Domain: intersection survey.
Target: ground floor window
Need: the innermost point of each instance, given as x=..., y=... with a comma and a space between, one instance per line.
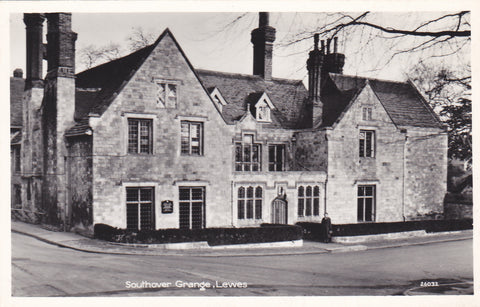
x=366, y=203
x=140, y=208
x=192, y=207
x=249, y=202
x=308, y=201
x=17, y=196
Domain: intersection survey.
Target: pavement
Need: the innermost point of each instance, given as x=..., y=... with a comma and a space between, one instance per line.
x=78, y=242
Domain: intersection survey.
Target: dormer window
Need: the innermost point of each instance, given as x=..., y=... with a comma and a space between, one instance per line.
x=218, y=99
x=263, y=109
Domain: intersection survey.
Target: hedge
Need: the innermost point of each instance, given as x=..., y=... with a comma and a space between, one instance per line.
x=313, y=231
x=214, y=236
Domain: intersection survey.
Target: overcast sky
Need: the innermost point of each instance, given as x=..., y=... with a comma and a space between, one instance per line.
x=212, y=41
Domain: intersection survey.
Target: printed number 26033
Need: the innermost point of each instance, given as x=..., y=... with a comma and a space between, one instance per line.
x=429, y=284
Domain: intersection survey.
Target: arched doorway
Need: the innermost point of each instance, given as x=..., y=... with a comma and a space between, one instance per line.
x=279, y=211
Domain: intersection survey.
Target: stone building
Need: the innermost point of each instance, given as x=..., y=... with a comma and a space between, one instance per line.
x=147, y=141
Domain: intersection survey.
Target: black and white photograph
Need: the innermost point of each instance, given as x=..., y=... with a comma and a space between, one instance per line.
x=296, y=153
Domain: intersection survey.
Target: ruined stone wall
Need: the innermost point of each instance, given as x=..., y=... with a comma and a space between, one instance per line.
x=79, y=184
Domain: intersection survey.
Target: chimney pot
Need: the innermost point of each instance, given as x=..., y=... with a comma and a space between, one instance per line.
x=328, y=45
x=263, y=20
x=315, y=41
x=18, y=73
x=323, y=46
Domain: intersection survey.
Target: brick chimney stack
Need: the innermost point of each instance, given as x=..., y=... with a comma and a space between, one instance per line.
x=61, y=44
x=34, y=27
x=262, y=39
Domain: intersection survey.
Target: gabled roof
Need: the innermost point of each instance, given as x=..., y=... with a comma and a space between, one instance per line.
x=17, y=86
x=403, y=103
x=238, y=90
x=97, y=87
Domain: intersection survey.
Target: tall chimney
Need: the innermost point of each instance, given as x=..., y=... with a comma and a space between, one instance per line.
x=61, y=44
x=334, y=61
x=315, y=78
x=34, y=27
x=262, y=39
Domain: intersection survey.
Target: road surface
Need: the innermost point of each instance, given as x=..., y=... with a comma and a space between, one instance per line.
x=41, y=269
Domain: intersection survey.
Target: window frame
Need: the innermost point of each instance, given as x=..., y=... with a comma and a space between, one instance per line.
x=364, y=198
x=248, y=166
x=363, y=144
x=139, y=120
x=256, y=203
x=190, y=152
x=303, y=199
x=139, y=202
x=367, y=113
x=273, y=165
x=190, y=202
x=166, y=102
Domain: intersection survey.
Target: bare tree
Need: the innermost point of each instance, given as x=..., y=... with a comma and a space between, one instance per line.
x=94, y=55
x=139, y=39
x=449, y=93
x=91, y=55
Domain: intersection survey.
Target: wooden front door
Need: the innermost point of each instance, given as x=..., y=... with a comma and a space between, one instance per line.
x=279, y=211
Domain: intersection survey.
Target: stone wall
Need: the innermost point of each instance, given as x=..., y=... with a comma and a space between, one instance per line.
x=166, y=169
x=311, y=150
x=79, y=185
x=347, y=170
x=426, y=172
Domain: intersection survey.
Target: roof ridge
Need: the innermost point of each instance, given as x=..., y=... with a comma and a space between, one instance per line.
x=256, y=77
x=369, y=78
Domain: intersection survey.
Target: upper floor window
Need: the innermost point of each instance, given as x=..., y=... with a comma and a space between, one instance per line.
x=308, y=201
x=247, y=155
x=167, y=94
x=191, y=138
x=367, y=113
x=367, y=143
x=276, y=157
x=249, y=203
x=140, y=138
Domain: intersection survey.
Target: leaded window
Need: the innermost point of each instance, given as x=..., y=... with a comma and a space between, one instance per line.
x=167, y=94
x=192, y=207
x=276, y=157
x=191, y=138
x=308, y=201
x=367, y=143
x=249, y=202
x=140, y=139
x=247, y=155
x=140, y=208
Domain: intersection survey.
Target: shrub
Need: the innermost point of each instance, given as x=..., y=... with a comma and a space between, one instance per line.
x=214, y=236
x=313, y=231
